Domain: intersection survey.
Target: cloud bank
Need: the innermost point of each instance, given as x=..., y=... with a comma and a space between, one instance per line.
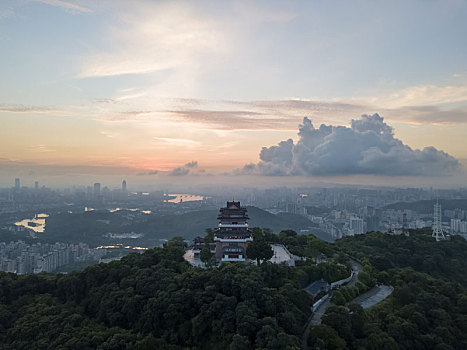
x=368, y=146
x=187, y=169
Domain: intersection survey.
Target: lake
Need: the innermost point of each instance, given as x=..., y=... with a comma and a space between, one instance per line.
x=36, y=224
x=184, y=197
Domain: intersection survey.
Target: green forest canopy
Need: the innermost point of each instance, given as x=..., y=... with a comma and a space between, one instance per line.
x=157, y=300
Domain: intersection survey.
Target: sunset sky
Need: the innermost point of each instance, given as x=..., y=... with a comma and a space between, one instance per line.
x=200, y=87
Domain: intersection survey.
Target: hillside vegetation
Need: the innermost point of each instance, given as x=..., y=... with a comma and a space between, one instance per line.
x=428, y=309
x=153, y=300
x=156, y=300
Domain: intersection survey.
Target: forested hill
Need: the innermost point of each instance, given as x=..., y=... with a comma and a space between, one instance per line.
x=446, y=260
x=156, y=300
x=428, y=308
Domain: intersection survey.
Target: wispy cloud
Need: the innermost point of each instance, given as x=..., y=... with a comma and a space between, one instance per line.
x=12, y=165
x=65, y=4
x=284, y=114
x=151, y=172
x=109, y=134
x=40, y=149
x=134, y=113
x=5, y=13
x=418, y=95
x=252, y=12
x=177, y=141
x=427, y=115
x=15, y=108
x=157, y=37
x=233, y=119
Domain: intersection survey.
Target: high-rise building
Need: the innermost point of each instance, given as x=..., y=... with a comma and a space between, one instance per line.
x=124, y=186
x=97, y=189
x=455, y=225
x=17, y=184
x=232, y=234
x=356, y=225
x=36, y=185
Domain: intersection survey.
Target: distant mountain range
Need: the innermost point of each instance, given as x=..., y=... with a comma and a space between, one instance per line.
x=426, y=206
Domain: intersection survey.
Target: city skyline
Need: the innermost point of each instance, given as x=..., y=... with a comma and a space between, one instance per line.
x=154, y=92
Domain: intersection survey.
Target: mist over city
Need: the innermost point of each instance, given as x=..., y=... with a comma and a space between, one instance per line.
x=233, y=174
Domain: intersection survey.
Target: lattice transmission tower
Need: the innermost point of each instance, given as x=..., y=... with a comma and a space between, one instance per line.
x=437, y=226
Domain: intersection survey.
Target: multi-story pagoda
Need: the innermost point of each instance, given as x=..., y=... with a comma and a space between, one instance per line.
x=232, y=234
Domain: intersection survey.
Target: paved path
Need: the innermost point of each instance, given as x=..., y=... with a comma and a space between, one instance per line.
x=315, y=318
x=356, y=267
x=190, y=257
x=373, y=296
x=318, y=314
x=306, y=332
x=281, y=255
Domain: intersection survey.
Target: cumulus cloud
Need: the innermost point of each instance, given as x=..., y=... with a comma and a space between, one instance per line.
x=186, y=169
x=193, y=164
x=190, y=168
x=368, y=146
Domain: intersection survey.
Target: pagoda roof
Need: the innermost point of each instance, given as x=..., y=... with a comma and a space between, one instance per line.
x=233, y=208
x=233, y=205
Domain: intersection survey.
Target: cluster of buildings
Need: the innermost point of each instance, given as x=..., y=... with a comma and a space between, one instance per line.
x=458, y=226
x=342, y=212
x=19, y=257
x=458, y=220
x=19, y=198
x=339, y=223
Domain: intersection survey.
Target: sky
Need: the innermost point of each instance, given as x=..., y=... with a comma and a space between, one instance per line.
x=154, y=89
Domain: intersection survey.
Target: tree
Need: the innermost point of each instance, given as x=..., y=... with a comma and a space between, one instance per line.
x=209, y=238
x=338, y=298
x=240, y=342
x=205, y=255
x=325, y=337
x=288, y=233
x=259, y=250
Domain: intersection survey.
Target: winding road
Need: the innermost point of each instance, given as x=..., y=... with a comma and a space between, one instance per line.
x=366, y=300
